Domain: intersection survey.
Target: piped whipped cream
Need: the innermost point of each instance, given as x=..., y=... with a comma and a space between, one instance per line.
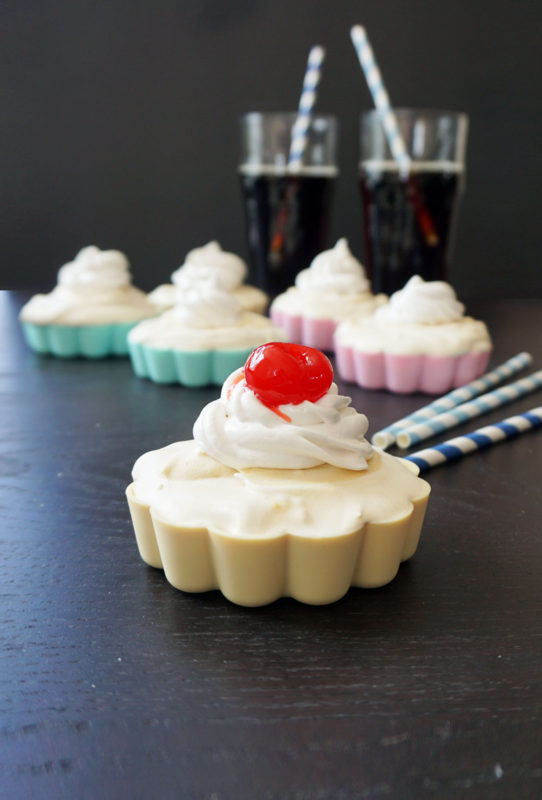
x=206, y=305
x=241, y=432
x=335, y=270
x=210, y=262
x=95, y=268
x=422, y=302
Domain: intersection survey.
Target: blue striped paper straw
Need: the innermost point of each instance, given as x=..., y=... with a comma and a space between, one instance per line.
x=380, y=97
x=387, y=436
x=475, y=408
x=306, y=104
x=476, y=440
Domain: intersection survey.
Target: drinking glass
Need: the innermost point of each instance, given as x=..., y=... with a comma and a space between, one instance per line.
x=287, y=211
x=410, y=215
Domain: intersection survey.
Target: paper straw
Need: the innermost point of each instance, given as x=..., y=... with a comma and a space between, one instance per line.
x=387, y=436
x=475, y=408
x=306, y=104
x=380, y=97
x=476, y=440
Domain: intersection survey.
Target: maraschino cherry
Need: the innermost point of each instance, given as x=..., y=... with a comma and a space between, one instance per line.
x=281, y=372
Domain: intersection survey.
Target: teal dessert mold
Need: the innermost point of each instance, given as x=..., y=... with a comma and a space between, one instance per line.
x=71, y=341
x=192, y=368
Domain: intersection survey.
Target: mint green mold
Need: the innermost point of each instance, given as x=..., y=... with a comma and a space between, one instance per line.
x=88, y=341
x=191, y=368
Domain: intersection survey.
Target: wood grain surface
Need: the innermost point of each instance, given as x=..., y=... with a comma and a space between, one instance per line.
x=116, y=685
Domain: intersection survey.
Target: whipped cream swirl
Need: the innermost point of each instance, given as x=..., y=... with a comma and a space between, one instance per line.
x=334, y=270
x=422, y=302
x=211, y=263
x=206, y=305
x=240, y=431
x=95, y=268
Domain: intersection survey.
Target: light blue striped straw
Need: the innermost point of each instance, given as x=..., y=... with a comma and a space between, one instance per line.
x=306, y=104
x=387, y=436
x=380, y=97
x=476, y=440
x=475, y=408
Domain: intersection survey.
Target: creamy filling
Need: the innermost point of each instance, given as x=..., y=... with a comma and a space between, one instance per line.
x=250, y=297
x=178, y=481
x=77, y=306
x=372, y=335
x=168, y=332
x=327, y=305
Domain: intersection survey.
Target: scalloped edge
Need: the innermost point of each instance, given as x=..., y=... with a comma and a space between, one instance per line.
x=79, y=341
x=256, y=572
x=192, y=368
x=406, y=374
x=316, y=333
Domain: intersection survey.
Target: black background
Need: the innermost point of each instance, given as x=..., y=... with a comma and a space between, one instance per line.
x=120, y=122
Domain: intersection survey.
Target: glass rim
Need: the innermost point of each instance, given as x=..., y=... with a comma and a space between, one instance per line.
x=430, y=113
x=286, y=115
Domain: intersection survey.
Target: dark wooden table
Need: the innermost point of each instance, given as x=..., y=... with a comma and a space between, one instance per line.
x=115, y=685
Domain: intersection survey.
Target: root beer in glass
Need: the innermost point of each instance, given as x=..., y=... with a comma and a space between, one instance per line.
x=409, y=216
x=287, y=212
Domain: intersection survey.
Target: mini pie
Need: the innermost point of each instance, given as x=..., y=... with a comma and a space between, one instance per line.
x=419, y=342
x=279, y=493
x=90, y=311
x=331, y=289
x=211, y=263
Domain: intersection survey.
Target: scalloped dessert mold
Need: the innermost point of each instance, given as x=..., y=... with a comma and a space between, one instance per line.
x=71, y=341
x=316, y=333
x=192, y=368
x=255, y=571
x=406, y=374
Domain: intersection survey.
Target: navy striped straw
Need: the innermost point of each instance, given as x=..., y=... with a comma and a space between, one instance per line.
x=380, y=97
x=480, y=405
x=306, y=104
x=478, y=439
x=387, y=436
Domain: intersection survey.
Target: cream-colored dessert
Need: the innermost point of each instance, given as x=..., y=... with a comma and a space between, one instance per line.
x=206, y=263
x=279, y=493
x=331, y=289
x=420, y=341
x=94, y=289
x=206, y=318
x=90, y=311
x=423, y=317
x=201, y=339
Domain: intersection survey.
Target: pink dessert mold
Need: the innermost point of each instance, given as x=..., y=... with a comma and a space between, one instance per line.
x=316, y=333
x=406, y=374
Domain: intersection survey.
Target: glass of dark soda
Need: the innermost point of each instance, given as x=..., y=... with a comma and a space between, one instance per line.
x=410, y=214
x=287, y=211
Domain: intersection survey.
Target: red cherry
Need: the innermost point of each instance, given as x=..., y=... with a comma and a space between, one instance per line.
x=281, y=372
